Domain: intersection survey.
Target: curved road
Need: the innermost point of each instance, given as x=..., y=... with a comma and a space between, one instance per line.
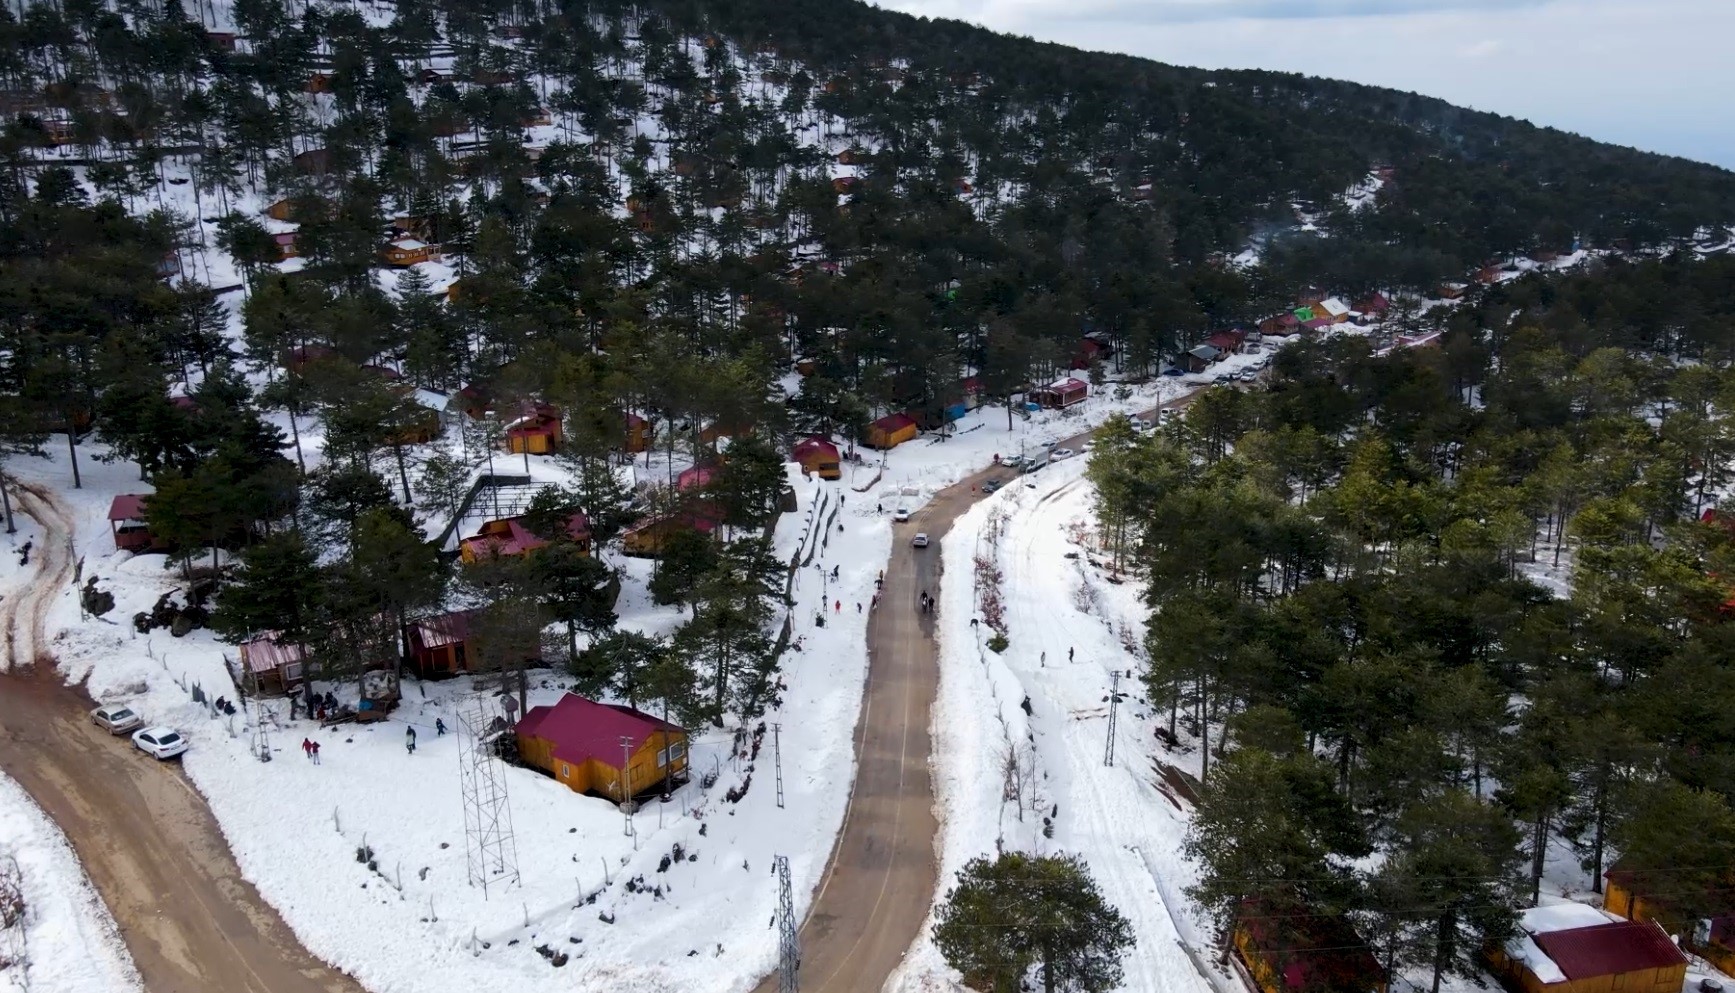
x=145, y=836
x=881, y=880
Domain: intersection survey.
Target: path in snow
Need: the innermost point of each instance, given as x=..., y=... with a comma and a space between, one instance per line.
x=191, y=922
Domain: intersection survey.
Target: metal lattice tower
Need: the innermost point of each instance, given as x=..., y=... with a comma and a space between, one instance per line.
x=777, y=759
x=489, y=847
x=788, y=942
x=1114, y=699
x=261, y=733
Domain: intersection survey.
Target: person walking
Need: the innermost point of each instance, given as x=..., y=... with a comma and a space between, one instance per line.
x=439, y=728
x=858, y=606
x=1069, y=654
x=837, y=606
x=316, y=753
x=307, y=748
x=410, y=739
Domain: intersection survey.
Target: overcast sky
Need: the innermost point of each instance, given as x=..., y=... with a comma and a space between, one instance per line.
x=1655, y=74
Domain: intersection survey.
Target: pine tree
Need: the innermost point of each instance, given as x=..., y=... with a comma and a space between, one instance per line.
x=1018, y=912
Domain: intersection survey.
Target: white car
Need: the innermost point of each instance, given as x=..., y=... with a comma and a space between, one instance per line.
x=1060, y=453
x=1167, y=414
x=1249, y=375
x=116, y=719
x=920, y=540
x=1087, y=446
x=160, y=742
x=901, y=514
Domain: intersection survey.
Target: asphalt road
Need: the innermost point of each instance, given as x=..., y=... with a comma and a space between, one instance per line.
x=144, y=835
x=881, y=880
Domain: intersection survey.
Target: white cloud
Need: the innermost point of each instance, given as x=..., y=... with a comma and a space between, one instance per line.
x=1649, y=73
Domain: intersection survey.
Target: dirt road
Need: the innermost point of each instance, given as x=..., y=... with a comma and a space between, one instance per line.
x=881, y=880
x=145, y=836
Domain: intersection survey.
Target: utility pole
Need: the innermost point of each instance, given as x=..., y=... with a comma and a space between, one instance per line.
x=1114, y=698
x=777, y=759
x=626, y=784
x=788, y=941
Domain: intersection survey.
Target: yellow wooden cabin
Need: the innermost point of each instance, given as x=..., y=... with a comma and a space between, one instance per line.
x=1713, y=939
x=1574, y=948
x=1287, y=951
x=604, y=749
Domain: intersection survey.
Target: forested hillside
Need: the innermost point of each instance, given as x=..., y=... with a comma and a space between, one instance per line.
x=1442, y=622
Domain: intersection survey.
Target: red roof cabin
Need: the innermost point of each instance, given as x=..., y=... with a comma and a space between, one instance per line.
x=649, y=537
x=890, y=431
x=126, y=521
x=818, y=455
x=697, y=478
x=512, y=537
x=1713, y=938
x=604, y=749
x=438, y=644
x=1282, y=325
x=1574, y=948
x=1373, y=305
x=286, y=247
x=536, y=432
x=1230, y=342
x=270, y=667
x=1089, y=351
x=1061, y=393
x=1298, y=952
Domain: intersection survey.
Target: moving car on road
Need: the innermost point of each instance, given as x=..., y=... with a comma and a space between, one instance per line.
x=990, y=486
x=1060, y=453
x=901, y=514
x=160, y=742
x=116, y=719
x=920, y=540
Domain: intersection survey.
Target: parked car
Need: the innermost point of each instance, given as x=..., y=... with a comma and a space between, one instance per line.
x=920, y=540
x=1060, y=453
x=1087, y=446
x=1221, y=378
x=901, y=514
x=1174, y=371
x=990, y=486
x=1166, y=415
x=160, y=742
x=116, y=719
x=1249, y=375
x=1012, y=461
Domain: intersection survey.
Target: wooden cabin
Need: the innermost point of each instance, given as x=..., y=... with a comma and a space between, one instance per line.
x=511, y=536
x=1712, y=939
x=1574, y=948
x=319, y=82
x=1288, y=951
x=439, y=644
x=298, y=358
x=286, y=245
x=221, y=40
x=1061, y=393
x=1088, y=352
x=640, y=433
x=818, y=455
x=649, y=537
x=890, y=431
x=536, y=117
x=604, y=749
x=406, y=252
x=270, y=667
x=313, y=162
x=284, y=210
x=128, y=525
x=537, y=431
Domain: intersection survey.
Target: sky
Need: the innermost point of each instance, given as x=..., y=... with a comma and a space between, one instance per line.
x=1652, y=74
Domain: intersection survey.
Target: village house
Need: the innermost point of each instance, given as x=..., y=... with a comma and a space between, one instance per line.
x=1061, y=393
x=970, y=389
x=1712, y=939
x=890, y=431
x=270, y=667
x=1230, y=342
x=1198, y=358
x=285, y=209
x=1333, y=308
x=604, y=749
x=319, y=82
x=286, y=245
x=221, y=40
x=1451, y=291
x=818, y=455
x=438, y=644
x=537, y=431
x=126, y=522
x=1088, y=352
x=1574, y=948
x=536, y=117
x=299, y=357
x=1281, y=325
x=512, y=537
x=313, y=162
x=406, y=252
x=649, y=537
x=1304, y=953
x=1374, y=305
x=640, y=433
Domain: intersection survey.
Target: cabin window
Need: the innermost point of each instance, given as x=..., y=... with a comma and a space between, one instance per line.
x=677, y=750
x=565, y=771
x=662, y=757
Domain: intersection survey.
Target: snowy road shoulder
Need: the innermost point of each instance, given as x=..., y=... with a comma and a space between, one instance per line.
x=66, y=942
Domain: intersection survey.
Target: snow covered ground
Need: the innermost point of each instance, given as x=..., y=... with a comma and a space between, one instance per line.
x=67, y=942
x=1035, y=708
